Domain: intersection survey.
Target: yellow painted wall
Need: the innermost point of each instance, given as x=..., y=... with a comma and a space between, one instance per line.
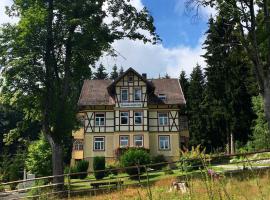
x=78, y=134
x=154, y=145
x=131, y=138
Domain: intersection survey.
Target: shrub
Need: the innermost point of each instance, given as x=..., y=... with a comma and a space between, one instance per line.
x=167, y=170
x=112, y=169
x=82, y=166
x=133, y=157
x=39, y=158
x=99, y=164
x=158, y=159
x=192, y=160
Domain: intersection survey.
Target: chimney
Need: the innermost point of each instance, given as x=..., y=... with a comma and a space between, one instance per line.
x=144, y=75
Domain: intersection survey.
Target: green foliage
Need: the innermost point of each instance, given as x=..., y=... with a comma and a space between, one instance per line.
x=82, y=166
x=260, y=138
x=99, y=164
x=167, y=170
x=184, y=83
x=193, y=160
x=15, y=170
x=45, y=57
x=39, y=158
x=101, y=73
x=158, y=159
x=114, y=74
x=112, y=169
x=134, y=157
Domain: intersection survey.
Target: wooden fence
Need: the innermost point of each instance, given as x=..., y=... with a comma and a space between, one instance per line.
x=69, y=184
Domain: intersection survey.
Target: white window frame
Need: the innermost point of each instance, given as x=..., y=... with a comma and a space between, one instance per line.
x=98, y=119
x=163, y=119
x=138, y=117
x=165, y=143
x=78, y=145
x=100, y=143
x=123, y=138
x=138, y=140
x=134, y=94
x=124, y=89
x=124, y=117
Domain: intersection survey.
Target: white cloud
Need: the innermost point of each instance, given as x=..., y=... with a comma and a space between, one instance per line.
x=203, y=12
x=155, y=60
x=3, y=17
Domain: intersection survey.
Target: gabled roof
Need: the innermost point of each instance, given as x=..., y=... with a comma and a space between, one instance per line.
x=99, y=92
x=171, y=88
x=94, y=92
x=149, y=84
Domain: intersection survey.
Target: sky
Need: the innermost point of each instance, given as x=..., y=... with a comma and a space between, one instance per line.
x=181, y=46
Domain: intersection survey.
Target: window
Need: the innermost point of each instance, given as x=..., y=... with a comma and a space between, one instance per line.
x=124, y=94
x=124, y=140
x=138, y=116
x=163, y=119
x=124, y=118
x=100, y=119
x=162, y=97
x=137, y=94
x=78, y=145
x=138, y=140
x=164, y=142
x=130, y=79
x=99, y=143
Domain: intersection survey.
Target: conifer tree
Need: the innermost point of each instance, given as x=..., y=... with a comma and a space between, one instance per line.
x=101, y=73
x=194, y=110
x=114, y=74
x=184, y=83
x=227, y=99
x=121, y=71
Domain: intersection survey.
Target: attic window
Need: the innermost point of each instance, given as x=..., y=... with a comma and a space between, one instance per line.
x=130, y=79
x=162, y=97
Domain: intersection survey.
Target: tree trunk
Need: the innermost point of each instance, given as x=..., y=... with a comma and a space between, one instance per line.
x=228, y=145
x=232, y=143
x=57, y=162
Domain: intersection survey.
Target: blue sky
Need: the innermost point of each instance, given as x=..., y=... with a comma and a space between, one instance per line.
x=181, y=46
x=174, y=24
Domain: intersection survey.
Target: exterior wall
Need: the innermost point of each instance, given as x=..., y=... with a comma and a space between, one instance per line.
x=172, y=153
x=125, y=84
x=90, y=126
x=173, y=119
x=131, y=139
x=131, y=126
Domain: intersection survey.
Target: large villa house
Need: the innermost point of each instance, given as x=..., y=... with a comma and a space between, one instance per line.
x=131, y=111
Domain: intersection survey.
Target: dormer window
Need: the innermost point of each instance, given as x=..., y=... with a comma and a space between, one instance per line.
x=124, y=94
x=162, y=97
x=130, y=79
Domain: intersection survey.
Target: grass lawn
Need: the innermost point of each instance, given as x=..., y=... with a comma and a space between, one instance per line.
x=239, y=187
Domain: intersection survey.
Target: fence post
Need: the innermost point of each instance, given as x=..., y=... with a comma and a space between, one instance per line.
x=148, y=185
x=139, y=173
x=69, y=187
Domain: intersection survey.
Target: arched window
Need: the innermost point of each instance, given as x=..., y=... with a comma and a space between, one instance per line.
x=78, y=145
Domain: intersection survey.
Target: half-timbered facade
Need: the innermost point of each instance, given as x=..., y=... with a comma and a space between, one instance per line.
x=130, y=111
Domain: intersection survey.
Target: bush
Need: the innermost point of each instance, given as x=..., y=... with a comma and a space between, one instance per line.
x=134, y=157
x=39, y=158
x=158, y=159
x=193, y=160
x=99, y=164
x=167, y=170
x=82, y=166
x=112, y=169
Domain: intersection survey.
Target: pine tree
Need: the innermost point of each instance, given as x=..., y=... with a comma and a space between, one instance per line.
x=184, y=83
x=194, y=110
x=121, y=71
x=101, y=73
x=227, y=100
x=114, y=74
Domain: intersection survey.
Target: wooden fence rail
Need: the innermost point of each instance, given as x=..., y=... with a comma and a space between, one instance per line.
x=69, y=183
